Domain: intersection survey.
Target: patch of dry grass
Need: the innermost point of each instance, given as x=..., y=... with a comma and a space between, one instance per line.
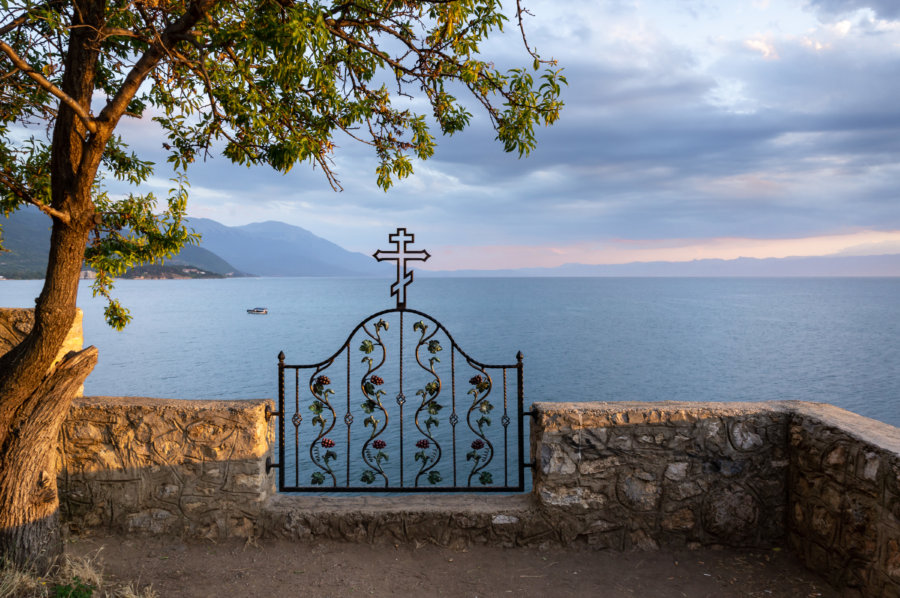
x=76, y=577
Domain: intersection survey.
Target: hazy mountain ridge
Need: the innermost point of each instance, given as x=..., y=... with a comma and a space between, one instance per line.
x=259, y=249
x=26, y=238
x=278, y=249
x=832, y=265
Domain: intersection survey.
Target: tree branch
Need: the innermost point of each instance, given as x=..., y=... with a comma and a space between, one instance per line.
x=42, y=81
x=10, y=183
x=15, y=23
x=148, y=61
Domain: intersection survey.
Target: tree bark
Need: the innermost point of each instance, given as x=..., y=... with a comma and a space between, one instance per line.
x=29, y=518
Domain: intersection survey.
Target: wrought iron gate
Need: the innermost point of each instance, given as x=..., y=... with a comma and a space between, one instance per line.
x=400, y=407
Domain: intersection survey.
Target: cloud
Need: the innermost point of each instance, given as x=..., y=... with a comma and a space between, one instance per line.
x=763, y=46
x=885, y=9
x=668, y=133
x=624, y=251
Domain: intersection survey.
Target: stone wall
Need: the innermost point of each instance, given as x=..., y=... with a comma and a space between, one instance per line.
x=194, y=468
x=844, y=501
x=16, y=322
x=647, y=474
x=609, y=475
x=822, y=479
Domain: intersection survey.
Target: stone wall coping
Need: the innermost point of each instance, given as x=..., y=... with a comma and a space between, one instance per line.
x=871, y=431
x=189, y=404
x=456, y=503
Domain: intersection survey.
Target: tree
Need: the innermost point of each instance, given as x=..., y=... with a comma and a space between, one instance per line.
x=264, y=82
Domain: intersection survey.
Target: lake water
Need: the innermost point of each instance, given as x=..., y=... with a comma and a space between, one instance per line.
x=584, y=339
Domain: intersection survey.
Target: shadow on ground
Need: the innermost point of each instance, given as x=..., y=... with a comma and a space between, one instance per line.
x=268, y=568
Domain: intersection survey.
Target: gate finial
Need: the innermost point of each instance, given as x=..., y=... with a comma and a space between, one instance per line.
x=401, y=255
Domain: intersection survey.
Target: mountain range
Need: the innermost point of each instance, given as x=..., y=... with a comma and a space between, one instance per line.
x=279, y=249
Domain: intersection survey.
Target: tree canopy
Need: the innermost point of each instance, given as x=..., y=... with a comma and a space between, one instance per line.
x=263, y=82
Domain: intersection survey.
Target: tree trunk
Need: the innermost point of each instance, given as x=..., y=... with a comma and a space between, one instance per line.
x=34, y=397
x=29, y=518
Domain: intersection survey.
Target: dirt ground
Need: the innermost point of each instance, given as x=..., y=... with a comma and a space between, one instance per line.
x=267, y=568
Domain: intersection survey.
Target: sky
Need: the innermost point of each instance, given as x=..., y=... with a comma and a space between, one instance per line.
x=692, y=129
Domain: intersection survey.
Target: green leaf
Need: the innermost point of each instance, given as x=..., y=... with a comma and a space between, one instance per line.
x=368, y=476
x=434, y=477
x=269, y=83
x=317, y=478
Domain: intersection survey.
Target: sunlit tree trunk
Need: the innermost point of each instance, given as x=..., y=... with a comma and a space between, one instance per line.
x=34, y=397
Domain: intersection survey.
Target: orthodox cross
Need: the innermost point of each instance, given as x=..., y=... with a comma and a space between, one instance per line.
x=401, y=255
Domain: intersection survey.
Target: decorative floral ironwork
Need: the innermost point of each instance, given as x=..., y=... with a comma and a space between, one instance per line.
x=428, y=444
x=429, y=405
x=373, y=407
x=481, y=408
x=323, y=417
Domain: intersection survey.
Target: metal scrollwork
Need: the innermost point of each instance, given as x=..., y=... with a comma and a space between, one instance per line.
x=429, y=452
x=373, y=449
x=320, y=451
x=482, y=450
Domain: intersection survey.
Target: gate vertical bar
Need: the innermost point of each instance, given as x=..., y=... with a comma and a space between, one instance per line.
x=281, y=419
x=453, y=407
x=401, y=398
x=348, y=419
x=520, y=399
x=505, y=422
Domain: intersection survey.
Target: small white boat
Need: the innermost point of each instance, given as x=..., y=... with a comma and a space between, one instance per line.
x=258, y=310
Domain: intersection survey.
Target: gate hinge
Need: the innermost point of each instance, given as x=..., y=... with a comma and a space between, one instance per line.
x=531, y=414
x=270, y=465
x=529, y=465
x=270, y=414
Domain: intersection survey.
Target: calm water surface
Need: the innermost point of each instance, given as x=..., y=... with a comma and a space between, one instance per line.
x=584, y=339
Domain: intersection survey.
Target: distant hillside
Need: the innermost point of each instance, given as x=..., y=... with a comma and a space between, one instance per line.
x=204, y=259
x=279, y=249
x=26, y=234
x=167, y=271
x=869, y=265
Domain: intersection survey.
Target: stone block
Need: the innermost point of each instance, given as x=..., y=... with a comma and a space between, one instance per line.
x=868, y=466
x=684, y=490
x=602, y=467
x=892, y=559
x=680, y=520
x=835, y=461
x=555, y=460
x=641, y=540
x=639, y=490
x=745, y=437
x=823, y=522
x=677, y=471
x=730, y=511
